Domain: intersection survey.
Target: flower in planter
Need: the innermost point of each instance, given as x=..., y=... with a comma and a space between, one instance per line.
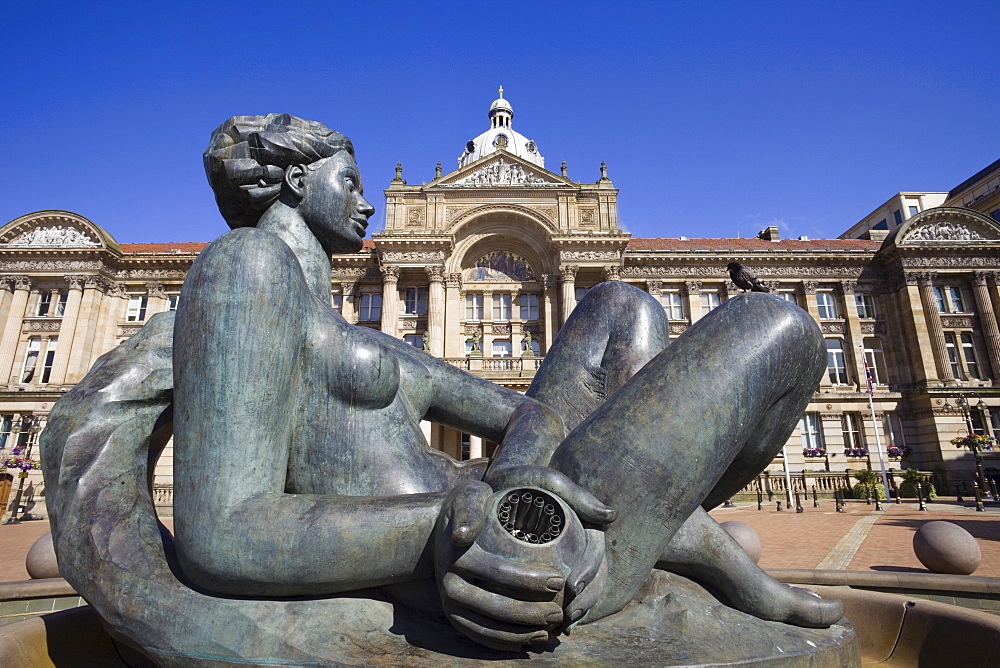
x=21, y=463
x=894, y=451
x=813, y=452
x=856, y=452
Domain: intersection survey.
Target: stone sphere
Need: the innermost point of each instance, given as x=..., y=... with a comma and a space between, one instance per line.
x=41, y=559
x=745, y=536
x=944, y=547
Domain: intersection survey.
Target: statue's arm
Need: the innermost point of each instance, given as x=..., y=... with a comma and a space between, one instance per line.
x=237, y=341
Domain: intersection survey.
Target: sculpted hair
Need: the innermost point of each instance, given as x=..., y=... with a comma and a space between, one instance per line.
x=247, y=156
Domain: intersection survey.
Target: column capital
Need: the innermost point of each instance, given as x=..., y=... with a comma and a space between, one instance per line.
x=75, y=282
x=809, y=287
x=922, y=278
x=453, y=280
x=435, y=273
x=21, y=282
x=612, y=273
x=349, y=288
x=7, y=283
x=568, y=272
x=390, y=273
x=155, y=289
x=693, y=287
x=653, y=286
x=979, y=278
x=548, y=281
x=848, y=287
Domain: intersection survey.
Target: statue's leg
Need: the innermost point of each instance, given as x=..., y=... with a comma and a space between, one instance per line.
x=689, y=425
x=612, y=333
x=703, y=551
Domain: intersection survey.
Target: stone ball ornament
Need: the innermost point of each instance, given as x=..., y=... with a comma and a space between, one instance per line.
x=944, y=547
x=41, y=560
x=744, y=534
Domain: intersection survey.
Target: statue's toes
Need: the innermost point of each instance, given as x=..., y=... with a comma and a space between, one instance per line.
x=808, y=609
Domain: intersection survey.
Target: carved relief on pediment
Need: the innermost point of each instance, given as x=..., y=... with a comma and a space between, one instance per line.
x=502, y=173
x=61, y=236
x=944, y=231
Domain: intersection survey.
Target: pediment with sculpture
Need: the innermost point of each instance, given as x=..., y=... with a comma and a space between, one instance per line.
x=505, y=171
x=946, y=225
x=54, y=229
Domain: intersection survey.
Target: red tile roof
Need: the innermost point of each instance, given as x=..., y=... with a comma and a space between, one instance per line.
x=744, y=245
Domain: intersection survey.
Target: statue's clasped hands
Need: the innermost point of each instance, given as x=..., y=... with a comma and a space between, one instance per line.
x=504, y=584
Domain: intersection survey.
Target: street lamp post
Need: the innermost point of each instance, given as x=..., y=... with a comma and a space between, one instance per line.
x=963, y=404
x=32, y=426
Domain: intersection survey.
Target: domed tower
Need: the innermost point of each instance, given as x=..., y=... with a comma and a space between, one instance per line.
x=501, y=137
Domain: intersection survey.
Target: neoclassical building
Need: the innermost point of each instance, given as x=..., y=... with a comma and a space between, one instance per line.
x=483, y=264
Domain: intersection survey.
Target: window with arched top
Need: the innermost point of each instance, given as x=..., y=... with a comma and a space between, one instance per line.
x=501, y=266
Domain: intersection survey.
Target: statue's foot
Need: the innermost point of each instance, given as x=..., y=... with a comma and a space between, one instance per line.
x=703, y=551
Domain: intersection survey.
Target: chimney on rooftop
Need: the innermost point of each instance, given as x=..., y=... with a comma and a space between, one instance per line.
x=769, y=233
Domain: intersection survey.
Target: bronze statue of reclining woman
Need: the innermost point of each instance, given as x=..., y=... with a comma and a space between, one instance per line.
x=301, y=472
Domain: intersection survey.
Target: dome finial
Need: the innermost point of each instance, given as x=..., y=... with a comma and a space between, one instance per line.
x=501, y=91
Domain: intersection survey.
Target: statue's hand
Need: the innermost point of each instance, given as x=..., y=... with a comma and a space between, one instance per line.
x=587, y=506
x=505, y=593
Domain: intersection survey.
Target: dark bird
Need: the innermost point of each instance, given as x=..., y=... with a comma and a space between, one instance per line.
x=744, y=278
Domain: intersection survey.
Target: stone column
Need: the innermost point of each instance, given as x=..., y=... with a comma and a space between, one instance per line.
x=487, y=323
x=613, y=273
x=549, y=307
x=390, y=299
x=853, y=338
x=435, y=310
x=988, y=320
x=567, y=275
x=156, y=301
x=6, y=296
x=454, y=337
x=925, y=280
x=12, y=328
x=348, y=304
x=475, y=447
x=809, y=298
x=86, y=324
x=693, y=289
x=67, y=331
x=112, y=312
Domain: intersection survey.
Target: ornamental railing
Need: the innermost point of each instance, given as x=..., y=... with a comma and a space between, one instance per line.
x=498, y=366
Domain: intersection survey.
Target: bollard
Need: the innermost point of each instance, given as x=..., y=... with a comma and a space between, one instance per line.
x=780, y=509
x=878, y=503
x=920, y=497
x=760, y=500
x=798, y=504
x=979, y=500
x=868, y=495
x=815, y=498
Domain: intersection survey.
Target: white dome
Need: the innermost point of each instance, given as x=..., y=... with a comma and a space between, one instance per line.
x=501, y=136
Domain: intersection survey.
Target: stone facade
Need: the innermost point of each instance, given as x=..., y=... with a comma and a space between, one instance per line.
x=482, y=265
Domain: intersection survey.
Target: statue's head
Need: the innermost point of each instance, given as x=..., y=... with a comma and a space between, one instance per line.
x=247, y=159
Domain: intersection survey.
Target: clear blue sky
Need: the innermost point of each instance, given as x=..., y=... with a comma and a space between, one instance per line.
x=715, y=119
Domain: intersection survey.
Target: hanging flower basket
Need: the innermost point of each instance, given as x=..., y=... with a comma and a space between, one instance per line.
x=856, y=452
x=23, y=464
x=973, y=441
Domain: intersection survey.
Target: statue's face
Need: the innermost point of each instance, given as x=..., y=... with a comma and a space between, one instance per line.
x=333, y=204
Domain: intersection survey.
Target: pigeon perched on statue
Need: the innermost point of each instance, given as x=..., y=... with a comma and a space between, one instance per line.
x=744, y=278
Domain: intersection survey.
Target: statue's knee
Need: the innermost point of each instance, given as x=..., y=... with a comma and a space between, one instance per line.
x=619, y=296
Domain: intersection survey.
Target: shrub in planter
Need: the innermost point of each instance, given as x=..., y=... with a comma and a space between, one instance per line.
x=908, y=488
x=861, y=491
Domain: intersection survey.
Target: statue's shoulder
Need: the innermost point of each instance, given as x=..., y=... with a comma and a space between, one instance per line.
x=246, y=245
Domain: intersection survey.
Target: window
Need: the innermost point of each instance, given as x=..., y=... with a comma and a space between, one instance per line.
x=529, y=307
x=913, y=211
x=50, y=358
x=415, y=340
x=971, y=359
x=44, y=303
x=473, y=307
x=949, y=299
x=416, y=301
x=61, y=304
x=709, y=301
x=788, y=296
x=866, y=305
x=31, y=359
x=835, y=366
x=875, y=359
x=812, y=437
x=6, y=421
x=994, y=423
x=881, y=225
x=898, y=217
x=949, y=344
x=852, y=432
x=172, y=301
x=580, y=292
x=996, y=215
x=501, y=307
x=371, y=307
x=673, y=305
x=501, y=348
x=136, y=309
x=826, y=305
